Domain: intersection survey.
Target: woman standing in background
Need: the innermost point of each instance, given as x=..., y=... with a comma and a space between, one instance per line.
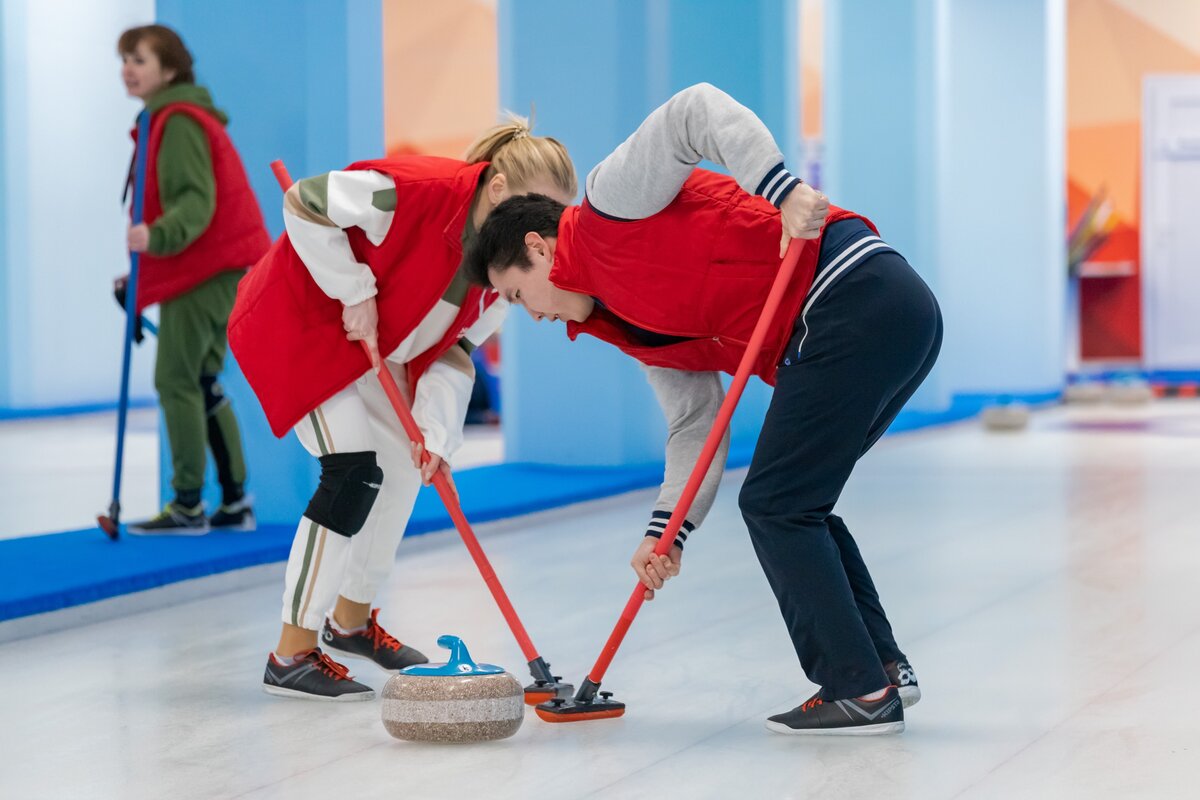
x=202, y=229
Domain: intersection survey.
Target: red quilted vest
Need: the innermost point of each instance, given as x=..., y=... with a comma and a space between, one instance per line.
x=287, y=334
x=701, y=268
x=234, y=239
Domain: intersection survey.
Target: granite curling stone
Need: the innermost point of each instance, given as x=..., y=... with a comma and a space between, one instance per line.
x=1008, y=416
x=1130, y=392
x=1084, y=392
x=459, y=701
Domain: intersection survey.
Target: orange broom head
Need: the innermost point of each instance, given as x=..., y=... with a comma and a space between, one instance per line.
x=535, y=696
x=549, y=715
x=559, y=710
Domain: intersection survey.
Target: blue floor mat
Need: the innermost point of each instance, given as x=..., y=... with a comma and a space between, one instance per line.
x=59, y=570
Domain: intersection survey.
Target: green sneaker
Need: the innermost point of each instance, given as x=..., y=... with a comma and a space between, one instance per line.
x=175, y=520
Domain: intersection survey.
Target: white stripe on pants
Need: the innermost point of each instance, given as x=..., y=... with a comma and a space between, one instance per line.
x=324, y=564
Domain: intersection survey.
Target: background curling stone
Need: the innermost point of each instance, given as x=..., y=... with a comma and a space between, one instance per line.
x=1130, y=392
x=1084, y=392
x=459, y=701
x=1006, y=417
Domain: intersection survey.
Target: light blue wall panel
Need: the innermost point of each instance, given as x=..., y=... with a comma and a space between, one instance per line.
x=595, y=70
x=64, y=150
x=1003, y=207
x=945, y=126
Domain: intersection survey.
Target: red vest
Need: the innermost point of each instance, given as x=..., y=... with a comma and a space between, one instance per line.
x=287, y=334
x=234, y=239
x=701, y=268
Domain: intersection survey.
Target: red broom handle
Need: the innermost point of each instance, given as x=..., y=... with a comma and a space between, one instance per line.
x=440, y=483
x=281, y=174
x=450, y=499
x=720, y=424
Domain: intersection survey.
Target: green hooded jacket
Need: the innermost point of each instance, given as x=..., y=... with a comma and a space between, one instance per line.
x=186, y=186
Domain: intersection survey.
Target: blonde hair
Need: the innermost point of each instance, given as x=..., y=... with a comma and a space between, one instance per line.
x=514, y=152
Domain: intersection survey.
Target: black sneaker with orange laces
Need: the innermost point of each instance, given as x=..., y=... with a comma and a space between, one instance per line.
x=843, y=717
x=374, y=644
x=314, y=676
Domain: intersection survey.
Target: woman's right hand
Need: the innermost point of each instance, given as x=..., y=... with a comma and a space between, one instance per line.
x=361, y=323
x=803, y=213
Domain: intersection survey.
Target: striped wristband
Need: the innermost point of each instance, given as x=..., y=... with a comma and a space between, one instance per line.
x=777, y=184
x=658, y=524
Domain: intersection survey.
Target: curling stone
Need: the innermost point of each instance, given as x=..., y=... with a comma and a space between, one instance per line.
x=459, y=701
x=1084, y=392
x=1130, y=392
x=1006, y=417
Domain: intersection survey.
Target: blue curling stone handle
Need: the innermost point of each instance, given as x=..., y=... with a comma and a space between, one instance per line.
x=460, y=662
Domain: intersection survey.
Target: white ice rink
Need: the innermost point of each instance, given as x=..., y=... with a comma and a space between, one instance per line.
x=1043, y=584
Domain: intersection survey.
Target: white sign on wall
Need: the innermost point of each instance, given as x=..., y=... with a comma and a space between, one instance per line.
x=1170, y=238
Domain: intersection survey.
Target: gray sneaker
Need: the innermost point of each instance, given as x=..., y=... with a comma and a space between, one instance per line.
x=312, y=675
x=855, y=717
x=175, y=520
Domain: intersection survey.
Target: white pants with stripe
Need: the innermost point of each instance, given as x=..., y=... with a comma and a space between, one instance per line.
x=324, y=564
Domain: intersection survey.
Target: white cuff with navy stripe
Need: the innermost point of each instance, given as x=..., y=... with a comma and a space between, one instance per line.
x=658, y=525
x=777, y=184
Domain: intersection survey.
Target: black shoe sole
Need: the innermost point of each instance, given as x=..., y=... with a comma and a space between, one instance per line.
x=134, y=530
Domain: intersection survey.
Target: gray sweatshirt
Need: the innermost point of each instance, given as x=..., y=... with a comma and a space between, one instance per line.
x=640, y=178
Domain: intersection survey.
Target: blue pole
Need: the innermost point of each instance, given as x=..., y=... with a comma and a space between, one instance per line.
x=111, y=525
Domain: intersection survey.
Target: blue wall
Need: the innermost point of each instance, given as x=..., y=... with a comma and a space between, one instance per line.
x=1003, y=207
x=64, y=149
x=6, y=316
x=594, y=71
x=301, y=81
x=945, y=126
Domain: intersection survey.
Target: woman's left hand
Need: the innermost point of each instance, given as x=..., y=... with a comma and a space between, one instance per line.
x=430, y=468
x=138, y=238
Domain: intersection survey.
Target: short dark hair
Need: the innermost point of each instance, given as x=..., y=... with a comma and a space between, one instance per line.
x=500, y=243
x=171, y=51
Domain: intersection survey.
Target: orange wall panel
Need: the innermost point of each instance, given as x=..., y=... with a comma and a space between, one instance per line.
x=440, y=83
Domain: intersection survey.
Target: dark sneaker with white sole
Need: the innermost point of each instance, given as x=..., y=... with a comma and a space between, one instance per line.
x=237, y=516
x=312, y=675
x=904, y=678
x=175, y=520
x=842, y=717
x=372, y=643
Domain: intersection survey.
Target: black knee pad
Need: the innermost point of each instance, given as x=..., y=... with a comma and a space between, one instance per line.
x=349, y=485
x=214, y=395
